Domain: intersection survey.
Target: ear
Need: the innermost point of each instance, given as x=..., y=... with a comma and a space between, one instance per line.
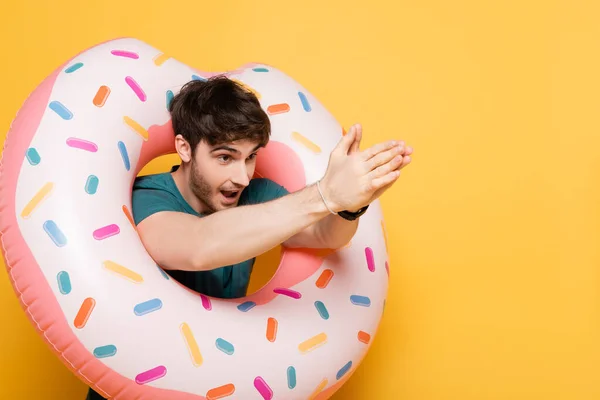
x=183, y=148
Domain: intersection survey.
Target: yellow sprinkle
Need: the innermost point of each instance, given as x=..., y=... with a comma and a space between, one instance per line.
x=248, y=88
x=121, y=270
x=191, y=344
x=160, y=59
x=136, y=127
x=306, y=142
x=319, y=389
x=37, y=199
x=384, y=236
x=312, y=343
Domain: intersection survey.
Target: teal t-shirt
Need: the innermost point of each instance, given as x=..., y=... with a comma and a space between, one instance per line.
x=158, y=192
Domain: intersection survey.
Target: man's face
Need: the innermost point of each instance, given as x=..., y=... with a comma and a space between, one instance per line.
x=220, y=173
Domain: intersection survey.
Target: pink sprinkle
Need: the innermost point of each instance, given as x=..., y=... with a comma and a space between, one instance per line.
x=387, y=268
x=151, y=375
x=265, y=391
x=136, y=88
x=206, y=302
x=370, y=259
x=106, y=231
x=82, y=144
x=288, y=292
x=124, y=53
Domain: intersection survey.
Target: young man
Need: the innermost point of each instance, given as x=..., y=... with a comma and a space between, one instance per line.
x=207, y=219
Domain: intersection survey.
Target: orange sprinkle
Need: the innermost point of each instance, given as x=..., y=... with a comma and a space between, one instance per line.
x=364, y=337
x=271, y=329
x=343, y=131
x=220, y=392
x=101, y=96
x=318, y=389
x=278, y=108
x=160, y=59
x=84, y=312
x=129, y=217
x=324, y=279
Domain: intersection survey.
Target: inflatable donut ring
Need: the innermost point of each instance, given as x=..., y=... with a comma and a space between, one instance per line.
x=100, y=302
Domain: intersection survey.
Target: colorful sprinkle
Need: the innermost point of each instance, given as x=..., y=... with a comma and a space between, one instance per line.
x=91, y=185
x=246, y=306
x=318, y=389
x=124, y=155
x=305, y=103
x=324, y=279
x=37, y=199
x=260, y=69
x=105, y=351
x=224, y=346
x=129, y=216
x=82, y=144
x=343, y=370
x=206, y=302
x=61, y=110
x=73, y=68
x=312, y=343
x=364, y=337
x=125, y=53
x=33, y=156
x=384, y=235
x=64, y=282
x=136, y=127
x=123, y=271
x=170, y=97
x=163, y=273
x=198, y=78
x=322, y=309
x=271, y=329
x=278, y=108
x=160, y=59
x=191, y=344
x=370, y=259
x=147, y=307
x=83, y=315
x=106, y=232
x=101, y=96
x=151, y=375
x=387, y=269
x=312, y=146
x=291, y=377
x=360, y=300
x=137, y=89
x=220, y=392
x=55, y=233
x=265, y=391
x=288, y=292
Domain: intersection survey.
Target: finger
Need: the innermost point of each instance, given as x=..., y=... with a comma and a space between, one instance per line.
x=378, y=148
x=384, y=180
x=386, y=168
x=356, y=145
x=383, y=158
x=405, y=161
x=346, y=140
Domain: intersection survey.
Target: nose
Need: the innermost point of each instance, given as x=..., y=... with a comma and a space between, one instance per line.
x=240, y=176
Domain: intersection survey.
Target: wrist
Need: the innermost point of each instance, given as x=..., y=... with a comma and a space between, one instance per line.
x=332, y=206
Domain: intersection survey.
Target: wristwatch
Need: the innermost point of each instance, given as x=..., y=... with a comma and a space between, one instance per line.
x=351, y=216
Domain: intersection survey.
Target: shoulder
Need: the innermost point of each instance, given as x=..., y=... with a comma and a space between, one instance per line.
x=263, y=189
x=152, y=194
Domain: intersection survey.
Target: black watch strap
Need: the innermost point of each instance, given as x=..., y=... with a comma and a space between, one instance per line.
x=351, y=216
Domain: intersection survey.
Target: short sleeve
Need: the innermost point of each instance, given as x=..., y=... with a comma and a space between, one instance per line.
x=146, y=202
x=264, y=190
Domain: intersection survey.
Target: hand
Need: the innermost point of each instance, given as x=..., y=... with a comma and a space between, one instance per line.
x=353, y=177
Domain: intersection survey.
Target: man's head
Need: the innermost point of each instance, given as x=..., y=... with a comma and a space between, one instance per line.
x=219, y=126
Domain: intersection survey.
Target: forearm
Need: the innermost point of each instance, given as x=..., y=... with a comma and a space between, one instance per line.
x=240, y=233
x=335, y=231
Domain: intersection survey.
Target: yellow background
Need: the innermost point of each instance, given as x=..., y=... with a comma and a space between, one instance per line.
x=493, y=229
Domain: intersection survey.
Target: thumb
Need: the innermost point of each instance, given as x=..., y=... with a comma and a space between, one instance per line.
x=347, y=140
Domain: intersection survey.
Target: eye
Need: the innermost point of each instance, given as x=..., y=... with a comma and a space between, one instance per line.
x=252, y=156
x=224, y=158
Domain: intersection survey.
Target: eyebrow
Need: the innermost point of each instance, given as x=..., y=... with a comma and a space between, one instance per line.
x=232, y=150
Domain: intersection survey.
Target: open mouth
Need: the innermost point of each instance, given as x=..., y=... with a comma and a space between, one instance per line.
x=230, y=194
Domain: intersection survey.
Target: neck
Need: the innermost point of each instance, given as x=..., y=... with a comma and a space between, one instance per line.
x=182, y=180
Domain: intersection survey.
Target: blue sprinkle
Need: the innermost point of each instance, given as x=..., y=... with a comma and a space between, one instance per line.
x=73, y=68
x=33, y=156
x=64, y=282
x=55, y=233
x=198, y=78
x=225, y=346
x=124, y=155
x=360, y=300
x=246, y=306
x=343, y=370
x=147, y=307
x=291, y=377
x=105, y=351
x=164, y=274
x=305, y=103
x=169, y=98
x=322, y=309
x=61, y=110
x=260, y=69
x=91, y=185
